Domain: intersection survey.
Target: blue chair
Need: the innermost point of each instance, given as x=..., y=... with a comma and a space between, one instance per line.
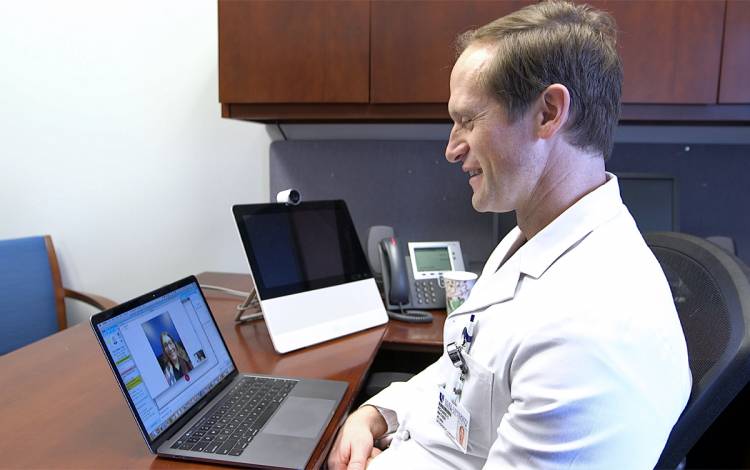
x=32, y=304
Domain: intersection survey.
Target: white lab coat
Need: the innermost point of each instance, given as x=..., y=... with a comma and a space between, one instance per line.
x=579, y=360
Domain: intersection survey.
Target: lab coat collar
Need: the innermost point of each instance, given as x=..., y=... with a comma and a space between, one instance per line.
x=570, y=227
x=500, y=277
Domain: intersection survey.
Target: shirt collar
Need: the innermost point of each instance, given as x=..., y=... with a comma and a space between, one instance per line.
x=570, y=227
x=507, y=262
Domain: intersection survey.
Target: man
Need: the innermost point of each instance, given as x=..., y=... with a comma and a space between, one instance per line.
x=568, y=352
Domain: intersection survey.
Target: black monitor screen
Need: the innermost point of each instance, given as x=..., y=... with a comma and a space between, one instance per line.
x=293, y=249
x=651, y=199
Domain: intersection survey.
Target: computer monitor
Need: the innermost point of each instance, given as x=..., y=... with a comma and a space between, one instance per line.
x=311, y=274
x=651, y=199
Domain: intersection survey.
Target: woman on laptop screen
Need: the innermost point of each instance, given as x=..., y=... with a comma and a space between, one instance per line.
x=176, y=363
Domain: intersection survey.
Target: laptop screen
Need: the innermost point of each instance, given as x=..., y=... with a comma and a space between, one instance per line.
x=293, y=249
x=168, y=354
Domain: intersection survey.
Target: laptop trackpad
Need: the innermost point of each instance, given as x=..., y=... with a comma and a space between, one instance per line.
x=301, y=417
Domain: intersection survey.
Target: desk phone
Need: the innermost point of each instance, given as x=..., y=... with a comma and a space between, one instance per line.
x=413, y=281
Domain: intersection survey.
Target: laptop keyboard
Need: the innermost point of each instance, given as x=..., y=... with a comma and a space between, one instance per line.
x=232, y=423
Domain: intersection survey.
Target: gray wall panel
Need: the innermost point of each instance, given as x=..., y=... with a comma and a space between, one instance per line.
x=405, y=184
x=713, y=185
x=410, y=185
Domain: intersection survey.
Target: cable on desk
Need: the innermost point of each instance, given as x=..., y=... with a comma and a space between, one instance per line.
x=226, y=290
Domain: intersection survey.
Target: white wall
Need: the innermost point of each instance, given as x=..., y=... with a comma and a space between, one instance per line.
x=111, y=141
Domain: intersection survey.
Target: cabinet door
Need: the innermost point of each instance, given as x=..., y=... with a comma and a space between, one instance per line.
x=413, y=45
x=735, y=64
x=288, y=51
x=670, y=49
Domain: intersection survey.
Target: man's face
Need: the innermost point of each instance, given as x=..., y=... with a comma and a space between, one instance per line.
x=499, y=157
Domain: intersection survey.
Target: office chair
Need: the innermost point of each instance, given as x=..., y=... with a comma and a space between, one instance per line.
x=711, y=291
x=725, y=242
x=32, y=304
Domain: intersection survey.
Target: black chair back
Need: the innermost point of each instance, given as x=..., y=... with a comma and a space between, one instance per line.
x=711, y=291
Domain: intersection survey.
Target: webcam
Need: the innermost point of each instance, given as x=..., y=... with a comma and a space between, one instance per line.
x=290, y=197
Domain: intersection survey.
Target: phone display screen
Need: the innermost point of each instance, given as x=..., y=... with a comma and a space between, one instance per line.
x=432, y=259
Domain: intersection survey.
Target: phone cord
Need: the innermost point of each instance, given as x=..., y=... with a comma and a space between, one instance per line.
x=411, y=316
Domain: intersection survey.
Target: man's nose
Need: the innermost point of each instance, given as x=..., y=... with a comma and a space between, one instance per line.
x=456, y=150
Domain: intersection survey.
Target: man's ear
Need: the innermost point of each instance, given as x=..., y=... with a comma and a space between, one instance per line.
x=554, y=104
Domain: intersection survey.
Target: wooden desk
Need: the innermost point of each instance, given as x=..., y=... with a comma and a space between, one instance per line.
x=399, y=335
x=422, y=337
x=61, y=407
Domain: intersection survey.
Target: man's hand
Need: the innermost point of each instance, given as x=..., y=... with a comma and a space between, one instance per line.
x=353, y=447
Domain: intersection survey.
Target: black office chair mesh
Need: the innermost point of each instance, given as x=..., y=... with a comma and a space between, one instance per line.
x=712, y=295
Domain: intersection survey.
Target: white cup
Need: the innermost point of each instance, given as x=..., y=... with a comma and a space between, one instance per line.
x=458, y=285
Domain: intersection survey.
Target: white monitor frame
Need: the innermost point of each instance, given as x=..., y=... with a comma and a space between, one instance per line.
x=315, y=314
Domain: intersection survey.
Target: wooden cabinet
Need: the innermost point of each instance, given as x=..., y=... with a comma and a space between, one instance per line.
x=390, y=60
x=287, y=51
x=413, y=45
x=670, y=49
x=735, y=64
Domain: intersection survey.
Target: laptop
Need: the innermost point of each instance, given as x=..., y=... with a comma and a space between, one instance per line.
x=311, y=275
x=186, y=394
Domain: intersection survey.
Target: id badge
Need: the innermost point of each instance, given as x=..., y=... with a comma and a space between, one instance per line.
x=454, y=418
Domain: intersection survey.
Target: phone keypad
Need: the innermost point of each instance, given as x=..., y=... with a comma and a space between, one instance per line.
x=429, y=292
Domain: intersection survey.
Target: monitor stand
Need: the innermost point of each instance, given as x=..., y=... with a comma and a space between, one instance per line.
x=250, y=302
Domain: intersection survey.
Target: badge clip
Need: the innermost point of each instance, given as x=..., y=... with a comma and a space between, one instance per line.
x=456, y=357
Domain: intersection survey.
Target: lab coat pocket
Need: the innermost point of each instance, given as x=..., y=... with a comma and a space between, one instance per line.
x=477, y=399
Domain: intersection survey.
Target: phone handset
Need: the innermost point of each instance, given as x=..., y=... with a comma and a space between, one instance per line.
x=395, y=280
x=396, y=283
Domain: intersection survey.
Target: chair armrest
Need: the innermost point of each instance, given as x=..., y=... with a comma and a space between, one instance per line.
x=102, y=303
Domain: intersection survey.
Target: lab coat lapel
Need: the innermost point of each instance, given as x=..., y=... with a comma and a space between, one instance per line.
x=500, y=276
x=570, y=228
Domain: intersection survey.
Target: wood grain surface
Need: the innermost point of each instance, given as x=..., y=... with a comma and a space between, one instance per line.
x=61, y=406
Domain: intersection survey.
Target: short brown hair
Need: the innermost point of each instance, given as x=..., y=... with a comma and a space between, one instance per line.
x=556, y=42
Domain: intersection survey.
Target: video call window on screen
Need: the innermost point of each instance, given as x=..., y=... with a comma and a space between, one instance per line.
x=178, y=351
x=168, y=355
x=169, y=349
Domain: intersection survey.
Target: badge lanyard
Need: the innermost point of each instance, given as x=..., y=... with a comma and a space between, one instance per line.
x=454, y=418
x=455, y=353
